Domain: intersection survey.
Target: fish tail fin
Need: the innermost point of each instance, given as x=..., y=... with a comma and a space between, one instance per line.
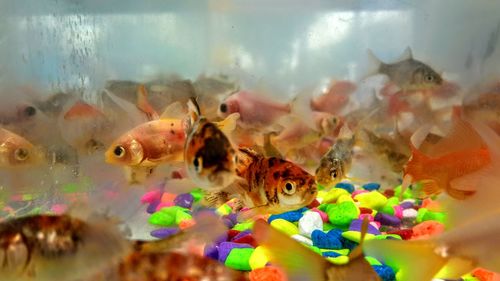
x=300, y=107
x=194, y=109
x=174, y=110
x=298, y=262
x=143, y=103
x=374, y=64
x=415, y=260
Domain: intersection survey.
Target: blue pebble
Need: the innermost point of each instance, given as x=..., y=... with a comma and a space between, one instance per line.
x=152, y=206
x=348, y=244
x=345, y=185
x=164, y=232
x=292, y=216
x=406, y=205
x=371, y=186
x=324, y=241
x=337, y=233
x=385, y=272
x=330, y=254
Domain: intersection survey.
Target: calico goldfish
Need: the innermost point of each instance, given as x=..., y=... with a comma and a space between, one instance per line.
x=208, y=153
x=336, y=163
x=49, y=247
x=408, y=73
x=254, y=109
x=16, y=151
x=461, y=152
x=169, y=260
x=447, y=256
x=272, y=185
x=301, y=263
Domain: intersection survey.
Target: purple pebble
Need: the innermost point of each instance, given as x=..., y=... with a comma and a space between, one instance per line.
x=356, y=226
x=152, y=206
x=226, y=247
x=233, y=217
x=220, y=239
x=406, y=205
x=385, y=219
x=184, y=200
x=229, y=224
x=211, y=251
x=241, y=234
x=164, y=232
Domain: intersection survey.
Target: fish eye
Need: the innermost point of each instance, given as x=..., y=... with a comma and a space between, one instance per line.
x=119, y=151
x=289, y=188
x=429, y=78
x=334, y=173
x=21, y=154
x=223, y=108
x=197, y=163
x=30, y=111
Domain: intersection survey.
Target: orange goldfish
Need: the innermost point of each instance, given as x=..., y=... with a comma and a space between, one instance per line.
x=335, y=98
x=272, y=185
x=461, y=152
x=16, y=151
x=300, y=263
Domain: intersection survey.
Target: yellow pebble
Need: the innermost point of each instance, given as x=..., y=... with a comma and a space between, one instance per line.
x=334, y=194
x=373, y=200
x=224, y=210
x=340, y=260
x=344, y=198
x=259, y=258
x=285, y=226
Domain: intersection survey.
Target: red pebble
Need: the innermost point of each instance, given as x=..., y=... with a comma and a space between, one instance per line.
x=363, y=210
x=231, y=234
x=427, y=229
x=389, y=193
x=313, y=204
x=431, y=205
x=485, y=275
x=247, y=239
x=268, y=273
x=405, y=234
x=176, y=175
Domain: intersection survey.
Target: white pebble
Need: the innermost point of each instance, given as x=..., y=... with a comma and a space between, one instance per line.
x=309, y=222
x=302, y=239
x=410, y=213
x=410, y=200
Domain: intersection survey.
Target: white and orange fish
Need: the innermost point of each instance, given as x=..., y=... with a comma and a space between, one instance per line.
x=16, y=151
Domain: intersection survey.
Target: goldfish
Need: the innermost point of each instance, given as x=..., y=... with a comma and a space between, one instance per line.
x=16, y=151
x=208, y=154
x=334, y=99
x=447, y=256
x=408, y=73
x=461, y=152
x=395, y=151
x=56, y=247
x=336, y=163
x=272, y=185
x=171, y=259
x=254, y=109
x=301, y=263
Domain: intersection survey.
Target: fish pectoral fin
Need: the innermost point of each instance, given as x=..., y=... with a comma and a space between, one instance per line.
x=299, y=262
x=425, y=188
x=415, y=260
x=249, y=214
x=174, y=111
x=228, y=125
x=143, y=103
x=456, y=267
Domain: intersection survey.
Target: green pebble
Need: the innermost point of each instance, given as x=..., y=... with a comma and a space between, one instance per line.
x=181, y=216
x=340, y=260
x=328, y=226
x=355, y=236
x=406, y=195
x=224, y=209
x=420, y=214
x=239, y=258
x=434, y=216
x=197, y=194
x=243, y=226
x=372, y=261
x=393, y=201
x=384, y=236
x=70, y=188
x=469, y=277
x=162, y=219
x=316, y=249
x=343, y=213
x=343, y=252
x=35, y=211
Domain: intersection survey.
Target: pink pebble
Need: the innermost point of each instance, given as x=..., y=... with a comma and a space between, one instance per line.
x=359, y=191
x=168, y=197
x=58, y=208
x=323, y=215
x=398, y=211
x=375, y=224
x=164, y=204
x=151, y=196
x=362, y=216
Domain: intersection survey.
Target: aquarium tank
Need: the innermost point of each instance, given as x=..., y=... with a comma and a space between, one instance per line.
x=249, y=140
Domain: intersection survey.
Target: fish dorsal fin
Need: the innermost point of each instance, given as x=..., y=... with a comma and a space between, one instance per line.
x=269, y=149
x=374, y=63
x=416, y=260
x=358, y=251
x=298, y=262
x=406, y=55
x=419, y=136
x=228, y=125
x=194, y=110
x=175, y=111
x=144, y=105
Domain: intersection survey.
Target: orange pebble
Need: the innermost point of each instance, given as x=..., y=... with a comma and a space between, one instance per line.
x=186, y=224
x=168, y=197
x=485, y=275
x=431, y=205
x=268, y=273
x=427, y=229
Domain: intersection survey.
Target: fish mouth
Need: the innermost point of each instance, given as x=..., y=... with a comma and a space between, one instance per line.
x=221, y=179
